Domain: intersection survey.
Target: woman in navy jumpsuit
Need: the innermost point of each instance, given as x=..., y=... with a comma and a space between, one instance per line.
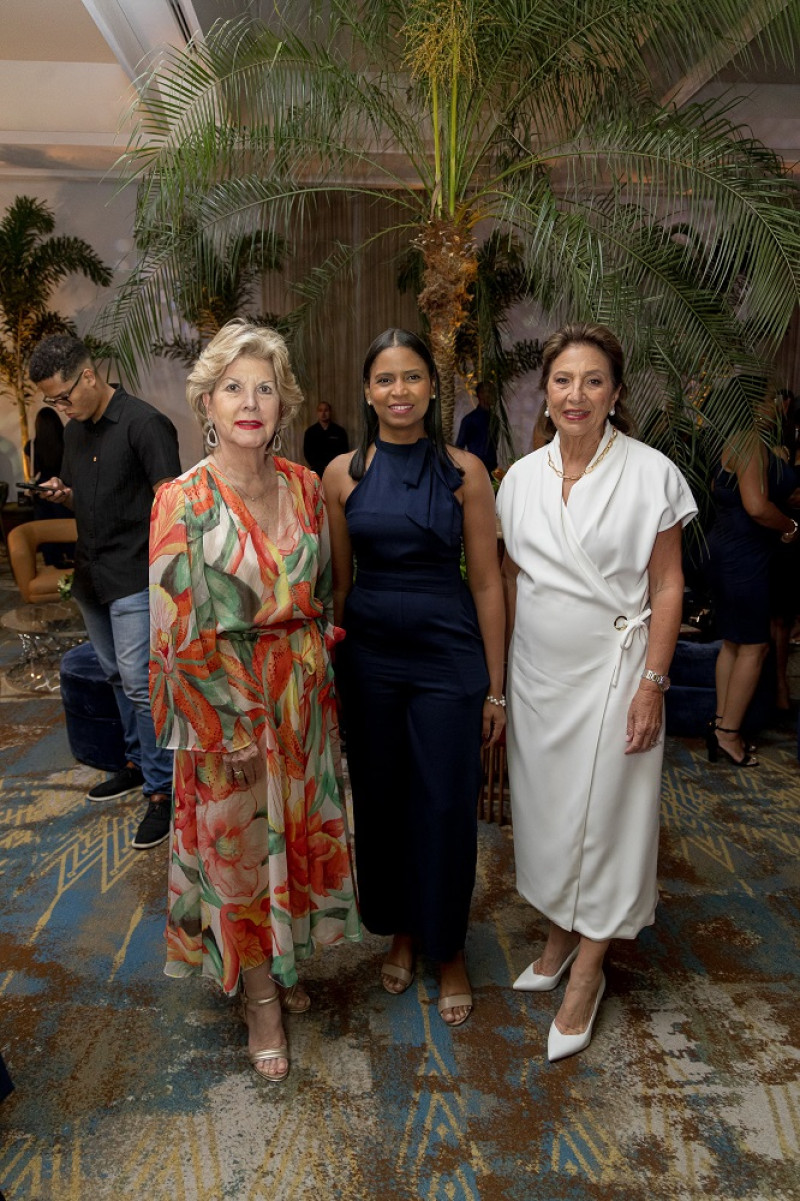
x=421, y=667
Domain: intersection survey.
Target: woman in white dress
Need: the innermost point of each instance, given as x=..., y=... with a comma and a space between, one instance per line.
x=592, y=526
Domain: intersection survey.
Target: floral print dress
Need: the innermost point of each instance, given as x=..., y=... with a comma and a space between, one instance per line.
x=241, y=629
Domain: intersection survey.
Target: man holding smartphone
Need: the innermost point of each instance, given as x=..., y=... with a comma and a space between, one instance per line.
x=117, y=451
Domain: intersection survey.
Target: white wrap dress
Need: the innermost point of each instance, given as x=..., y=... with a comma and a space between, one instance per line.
x=585, y=815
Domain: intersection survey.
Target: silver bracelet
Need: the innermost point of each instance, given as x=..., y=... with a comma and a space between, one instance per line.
x=497, y=700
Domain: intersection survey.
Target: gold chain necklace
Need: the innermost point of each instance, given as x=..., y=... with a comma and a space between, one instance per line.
x=591, y=466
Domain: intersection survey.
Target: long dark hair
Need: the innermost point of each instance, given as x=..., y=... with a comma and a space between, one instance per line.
x=601, y=337
x=369, y=418
x=48, y=443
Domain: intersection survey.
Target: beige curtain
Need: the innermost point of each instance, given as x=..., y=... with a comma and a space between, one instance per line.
x=360, y=305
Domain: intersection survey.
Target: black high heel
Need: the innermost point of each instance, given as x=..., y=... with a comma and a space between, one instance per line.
x=715, y=750
x=750, y=747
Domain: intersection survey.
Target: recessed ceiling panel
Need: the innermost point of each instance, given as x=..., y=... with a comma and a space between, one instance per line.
x=44, y=31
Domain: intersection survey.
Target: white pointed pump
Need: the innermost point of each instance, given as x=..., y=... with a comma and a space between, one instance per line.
x=559, y=1045
x=531, y=981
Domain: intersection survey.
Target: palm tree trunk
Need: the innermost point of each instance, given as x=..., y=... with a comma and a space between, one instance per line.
x=451, y=267
x=22, y=409
x=24, y=434
x=443, y=348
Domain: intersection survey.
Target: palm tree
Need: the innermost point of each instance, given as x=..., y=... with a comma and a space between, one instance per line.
x=32, y=264
x=537, y=118
x=216, y=285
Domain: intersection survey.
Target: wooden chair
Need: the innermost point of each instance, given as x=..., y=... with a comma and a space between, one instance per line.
x=37, y=582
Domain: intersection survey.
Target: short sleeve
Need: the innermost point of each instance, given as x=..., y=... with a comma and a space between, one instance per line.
x=191, y=700
x=679, y=503
x=155, y=441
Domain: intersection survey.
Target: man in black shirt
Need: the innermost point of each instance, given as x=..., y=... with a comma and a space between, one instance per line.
x=324, y=440
x=117, y=451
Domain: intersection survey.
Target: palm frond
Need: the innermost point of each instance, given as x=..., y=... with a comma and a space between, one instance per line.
x=733, y=190
x=179, y=349
x=306, y=319
x=675, y=226
x=53, y=260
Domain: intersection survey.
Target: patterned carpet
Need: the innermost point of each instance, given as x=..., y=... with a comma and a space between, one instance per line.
x=130, y=1085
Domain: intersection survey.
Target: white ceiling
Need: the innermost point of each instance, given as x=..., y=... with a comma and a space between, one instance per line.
x=65, y=78
x=66, y=68
x=48, y=32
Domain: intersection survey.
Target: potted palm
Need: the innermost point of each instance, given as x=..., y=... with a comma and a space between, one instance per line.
x=216, y=284
x=33, y=261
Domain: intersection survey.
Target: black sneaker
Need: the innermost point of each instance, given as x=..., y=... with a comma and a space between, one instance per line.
x=154, y=826
x=130, y=779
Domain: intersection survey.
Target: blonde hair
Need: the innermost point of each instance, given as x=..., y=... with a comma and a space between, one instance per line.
x=242, y=336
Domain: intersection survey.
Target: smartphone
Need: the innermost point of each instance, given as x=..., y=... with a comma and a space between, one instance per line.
x=33, y=488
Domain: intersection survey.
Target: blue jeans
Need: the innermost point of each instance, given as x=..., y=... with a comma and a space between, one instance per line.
x=120, y=635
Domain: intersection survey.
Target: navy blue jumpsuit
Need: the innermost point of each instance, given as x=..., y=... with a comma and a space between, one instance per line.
x=414, y=681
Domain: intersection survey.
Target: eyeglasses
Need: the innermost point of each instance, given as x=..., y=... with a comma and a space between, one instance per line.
x=63, y=399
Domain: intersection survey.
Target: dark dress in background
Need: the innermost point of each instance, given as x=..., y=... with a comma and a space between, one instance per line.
x=741, y=553
x=414, y=680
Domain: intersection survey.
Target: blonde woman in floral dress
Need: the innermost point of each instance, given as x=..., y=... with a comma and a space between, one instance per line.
x=242, y=690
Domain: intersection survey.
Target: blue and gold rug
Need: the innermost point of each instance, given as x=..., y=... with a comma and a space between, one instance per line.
x=130, y=1085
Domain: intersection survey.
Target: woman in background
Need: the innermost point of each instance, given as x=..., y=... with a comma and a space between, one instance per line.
x=749, y=485
x=241, y=686
x=422, y=662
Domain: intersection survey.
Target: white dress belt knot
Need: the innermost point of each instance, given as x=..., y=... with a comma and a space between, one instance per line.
x=628, y=629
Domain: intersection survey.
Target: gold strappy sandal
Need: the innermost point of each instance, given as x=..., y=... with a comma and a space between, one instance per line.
x=293, y=1001
x=257, y=1057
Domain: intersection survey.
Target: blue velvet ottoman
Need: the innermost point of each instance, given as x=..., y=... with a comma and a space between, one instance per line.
x=94, y=729
x=690, y=703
